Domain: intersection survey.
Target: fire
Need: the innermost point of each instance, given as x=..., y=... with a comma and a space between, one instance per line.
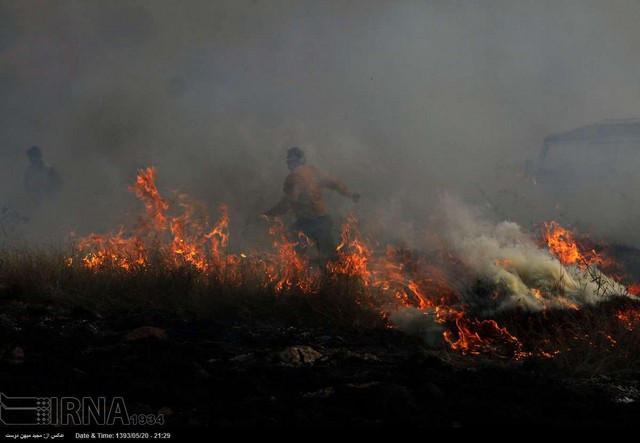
x=287, y=269
x=191, y=240
x=629, y=317
x=114, y=251
x=181, y=235
x=562, y=245
x=354, y=254
x=219, y=237
x=145, y=189
x=185, y=246
x=483, y=336
x=395, y=273
x=634, y=289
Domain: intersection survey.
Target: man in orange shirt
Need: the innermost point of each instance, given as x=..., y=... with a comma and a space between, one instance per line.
x=303, y=195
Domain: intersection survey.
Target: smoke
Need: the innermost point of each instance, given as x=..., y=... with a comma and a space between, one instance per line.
x=525, y=275
x=399, y=99
x=516, y=274
x=422, y=323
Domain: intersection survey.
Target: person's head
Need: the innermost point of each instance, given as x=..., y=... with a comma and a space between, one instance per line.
x=295, y=158
x=34, y=154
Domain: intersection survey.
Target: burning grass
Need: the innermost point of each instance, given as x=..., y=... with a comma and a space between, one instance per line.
x=525, y=302
x=595, y=339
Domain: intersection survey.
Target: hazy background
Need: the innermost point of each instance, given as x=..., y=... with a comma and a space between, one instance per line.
x=401, y=99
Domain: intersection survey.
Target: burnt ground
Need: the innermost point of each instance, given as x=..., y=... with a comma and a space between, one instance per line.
x=216, y=374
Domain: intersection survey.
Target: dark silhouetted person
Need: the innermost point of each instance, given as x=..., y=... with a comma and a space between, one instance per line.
x=41, y=181
x=303, y=195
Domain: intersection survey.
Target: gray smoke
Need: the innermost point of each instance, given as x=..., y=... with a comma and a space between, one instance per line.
x=526, y=275
x=522, y=275
x=400, y=99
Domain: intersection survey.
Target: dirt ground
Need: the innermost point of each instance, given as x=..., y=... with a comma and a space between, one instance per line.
x=203, y=374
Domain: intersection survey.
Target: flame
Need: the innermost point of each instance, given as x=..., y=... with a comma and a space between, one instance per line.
x=146, y=190
x=181, y=235
x=219, y=237
x=287, y=269
x=562, y=245
x=629, y=317
x=483, y=336
x=191, y=242
x=394, y=273
x=113, y=251
x=353, y=253
x=185, y=246
x=634, y=289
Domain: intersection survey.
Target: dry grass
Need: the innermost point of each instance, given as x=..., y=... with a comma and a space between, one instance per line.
x=586, y=342
x=184, y=292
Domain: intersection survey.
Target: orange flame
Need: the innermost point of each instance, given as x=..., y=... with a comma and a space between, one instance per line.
x=219, y=236
x=353, y=253
x=629, y=317
x=288, y=269
x=145, y=189
x=562, y=245
x=634, y=289
x=192, y=242
x=114, y=251
x=483, y=336
x=393, y=279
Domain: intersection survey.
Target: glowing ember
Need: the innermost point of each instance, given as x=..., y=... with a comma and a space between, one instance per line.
x=629, y=317
x=634, y=289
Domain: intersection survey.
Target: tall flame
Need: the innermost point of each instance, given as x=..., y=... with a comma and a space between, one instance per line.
x=396, y=279
x=353, y=253
x=146, y=190
x=288, y=269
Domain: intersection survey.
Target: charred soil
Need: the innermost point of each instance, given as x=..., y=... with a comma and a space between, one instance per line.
x=256, y=363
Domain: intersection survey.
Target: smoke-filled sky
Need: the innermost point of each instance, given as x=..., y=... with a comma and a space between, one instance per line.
x=400, y=99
